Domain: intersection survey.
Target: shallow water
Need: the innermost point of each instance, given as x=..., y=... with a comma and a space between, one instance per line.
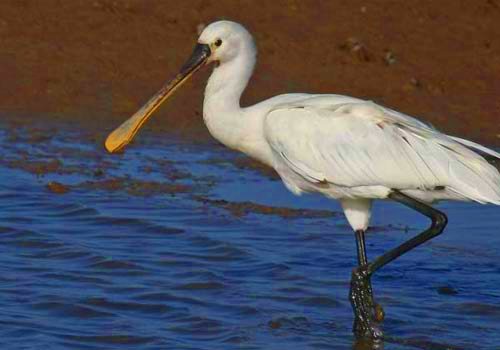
x=140, y=252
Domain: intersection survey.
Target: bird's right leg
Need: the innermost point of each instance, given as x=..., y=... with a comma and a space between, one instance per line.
x=366, y=311
x=365, y=319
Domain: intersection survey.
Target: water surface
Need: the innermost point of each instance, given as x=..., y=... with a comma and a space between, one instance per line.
x=175, y=245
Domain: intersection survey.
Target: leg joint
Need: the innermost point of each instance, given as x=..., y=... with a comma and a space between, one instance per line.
x=439, y=221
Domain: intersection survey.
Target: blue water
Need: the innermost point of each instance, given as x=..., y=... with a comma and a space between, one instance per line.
x=145, y=267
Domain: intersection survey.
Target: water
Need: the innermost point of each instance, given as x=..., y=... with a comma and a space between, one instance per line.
x=142, y=253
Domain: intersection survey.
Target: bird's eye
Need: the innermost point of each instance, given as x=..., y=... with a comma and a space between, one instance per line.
x=218, y=42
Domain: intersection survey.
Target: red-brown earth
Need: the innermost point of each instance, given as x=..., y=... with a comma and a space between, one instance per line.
x=96, y=62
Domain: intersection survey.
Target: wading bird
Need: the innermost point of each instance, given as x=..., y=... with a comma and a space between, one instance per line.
x=345, y=148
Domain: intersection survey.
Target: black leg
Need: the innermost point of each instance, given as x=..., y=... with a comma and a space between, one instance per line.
x=366, y=312
x=438, y=223
x=363, y=261
x=360, y=244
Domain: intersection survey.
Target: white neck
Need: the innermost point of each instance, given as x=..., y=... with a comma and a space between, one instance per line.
x=222, y=113
x=229, y=80
x=237, y=128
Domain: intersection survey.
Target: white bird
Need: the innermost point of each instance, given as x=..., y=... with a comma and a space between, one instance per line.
x=342, y=147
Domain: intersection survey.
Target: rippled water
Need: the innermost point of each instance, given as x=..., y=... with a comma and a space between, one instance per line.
x=154, y=260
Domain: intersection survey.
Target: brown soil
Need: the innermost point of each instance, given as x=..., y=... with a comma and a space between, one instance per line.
x=57, y=187
x=97, y=61
x=244, y=208
x=35, y=167
x=134, y=187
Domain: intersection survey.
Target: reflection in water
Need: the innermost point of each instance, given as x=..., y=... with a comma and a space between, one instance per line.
x=151, y=249
x=364, y=344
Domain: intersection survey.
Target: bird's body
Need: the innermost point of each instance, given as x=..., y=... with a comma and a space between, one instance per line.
x=355, y=151
x=343, y=147
x=339, y=146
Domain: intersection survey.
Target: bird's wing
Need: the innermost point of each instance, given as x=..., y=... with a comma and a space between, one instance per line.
x=362, y=144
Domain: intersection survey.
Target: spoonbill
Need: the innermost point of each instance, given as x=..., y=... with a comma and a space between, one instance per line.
x=345, y=148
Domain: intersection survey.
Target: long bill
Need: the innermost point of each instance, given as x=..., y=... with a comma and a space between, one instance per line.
x=123, y=134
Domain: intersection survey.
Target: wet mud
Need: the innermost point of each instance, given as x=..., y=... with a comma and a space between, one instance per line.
x=97, y=62
x=244, y=208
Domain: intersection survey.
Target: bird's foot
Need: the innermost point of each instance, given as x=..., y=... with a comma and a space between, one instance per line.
x=378, y=312
x=367, y=314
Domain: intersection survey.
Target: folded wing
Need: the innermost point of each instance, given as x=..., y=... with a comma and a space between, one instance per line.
x=362, y=144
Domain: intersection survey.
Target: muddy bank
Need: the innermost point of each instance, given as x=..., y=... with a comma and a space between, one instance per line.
x=96, y=62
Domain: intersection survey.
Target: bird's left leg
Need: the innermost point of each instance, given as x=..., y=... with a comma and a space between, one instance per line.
x=366, y=311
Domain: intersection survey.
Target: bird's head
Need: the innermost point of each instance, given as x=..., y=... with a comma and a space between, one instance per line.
x=225, y=39
x=219, y=42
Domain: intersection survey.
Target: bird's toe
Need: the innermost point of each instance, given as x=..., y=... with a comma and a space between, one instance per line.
x=378, y=312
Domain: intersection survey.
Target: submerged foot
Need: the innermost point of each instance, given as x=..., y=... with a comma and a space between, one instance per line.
x=378, y=312
x=367, y=314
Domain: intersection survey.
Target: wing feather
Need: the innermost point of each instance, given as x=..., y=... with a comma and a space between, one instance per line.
x=351, y=144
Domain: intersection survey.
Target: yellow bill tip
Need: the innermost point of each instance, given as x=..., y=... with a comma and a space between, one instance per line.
x=115, y=142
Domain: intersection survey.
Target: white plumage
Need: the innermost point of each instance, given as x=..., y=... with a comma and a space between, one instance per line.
x=358, y=150
x=362, y=150
x=342, y=147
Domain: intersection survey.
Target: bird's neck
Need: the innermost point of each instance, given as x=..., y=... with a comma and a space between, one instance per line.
x=223, y=116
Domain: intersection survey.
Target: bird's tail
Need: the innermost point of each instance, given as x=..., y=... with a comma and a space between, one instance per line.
x=478, y=179
x=476, y=147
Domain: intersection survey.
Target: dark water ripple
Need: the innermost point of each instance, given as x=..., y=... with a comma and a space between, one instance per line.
x=104, y=269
